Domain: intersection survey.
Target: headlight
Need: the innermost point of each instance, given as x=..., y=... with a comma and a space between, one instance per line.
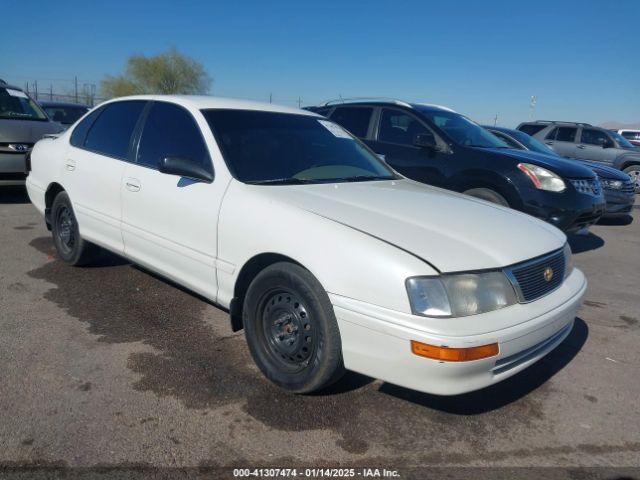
x=611, y=184
x=542, y=178
x=568, y=260
x=459, y=295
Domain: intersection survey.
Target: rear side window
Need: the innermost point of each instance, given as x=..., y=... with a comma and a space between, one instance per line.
x=594, y=137
x=80, y=132
x=563, y=134
x=398, y=127
x=531, y=128
x=111, y=132
x=354, y=119
x=171, y=131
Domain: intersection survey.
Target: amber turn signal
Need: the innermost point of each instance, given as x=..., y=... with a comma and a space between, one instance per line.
x=447, y=354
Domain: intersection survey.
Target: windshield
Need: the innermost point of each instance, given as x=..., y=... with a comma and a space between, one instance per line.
x=623, y=142
x=462, y=130
x=65, y=115
x=284, y=148
x=16, y=105
x=531, y=143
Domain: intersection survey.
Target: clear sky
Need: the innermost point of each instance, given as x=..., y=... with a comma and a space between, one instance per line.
x=580, y=58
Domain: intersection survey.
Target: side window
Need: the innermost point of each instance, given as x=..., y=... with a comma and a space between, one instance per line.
x=111, y=132
x=80, y=132
x=508, y=140
x=551, y=135
x=566, y=134
x=531, y=128
x=171, y=131
x=354, y=119
x=594, y=137
x=398, y=127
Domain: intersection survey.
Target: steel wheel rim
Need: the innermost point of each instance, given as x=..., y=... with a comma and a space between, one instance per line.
x=287, y=326
x=65, y=229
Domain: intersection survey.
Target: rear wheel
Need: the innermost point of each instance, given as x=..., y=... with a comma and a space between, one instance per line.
x=70, y=246
x=634, y=172
x=291, y=329
x=488, y=195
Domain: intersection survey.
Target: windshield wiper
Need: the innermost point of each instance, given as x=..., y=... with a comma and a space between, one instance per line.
x=364, y=178
x=281, y=181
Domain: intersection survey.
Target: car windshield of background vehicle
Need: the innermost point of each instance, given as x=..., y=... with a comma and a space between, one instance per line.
x=623, y=142
x=462, y=130
x=16, y=105
x=65, y=115
x=283, y=148
x=532, y=144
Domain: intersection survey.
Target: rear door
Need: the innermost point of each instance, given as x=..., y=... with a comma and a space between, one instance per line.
x=169, y=223
x=101, y=146
x=596, y=145
x=562, y=140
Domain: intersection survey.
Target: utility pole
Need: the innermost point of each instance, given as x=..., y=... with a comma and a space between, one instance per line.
x=532, y=106
x=51, y=92
x=299, y=102
x=270, y=97
x=76, y=88
x=35, y=83
x=495, y=120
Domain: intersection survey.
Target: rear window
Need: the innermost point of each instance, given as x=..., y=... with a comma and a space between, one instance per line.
x=16, y=105
x=631, y=135
x=531, y=128
x=354, y=119
x=65, y=115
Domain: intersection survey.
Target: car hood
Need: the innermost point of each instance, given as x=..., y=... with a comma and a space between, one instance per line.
x=564, y=168
x=605, y=172
x=450, y=231
x=26, y=131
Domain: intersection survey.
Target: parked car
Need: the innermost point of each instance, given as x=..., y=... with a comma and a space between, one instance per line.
x=440, y=147
x=586, y=142
x=324, y=255
x=64, y=113
x=617, y=186
x=22, y=123
x=633, y=136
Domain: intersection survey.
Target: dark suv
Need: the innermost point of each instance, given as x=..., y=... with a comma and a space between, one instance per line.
x=438, y=146
x=586, y=142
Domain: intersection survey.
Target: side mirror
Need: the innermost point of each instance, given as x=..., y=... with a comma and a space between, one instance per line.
x=426, y=140
x=184, y=167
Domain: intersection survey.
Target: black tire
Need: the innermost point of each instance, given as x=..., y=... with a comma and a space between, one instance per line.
x=291, y=329
x=71, y=247
x=634, y=172
x=488, y=195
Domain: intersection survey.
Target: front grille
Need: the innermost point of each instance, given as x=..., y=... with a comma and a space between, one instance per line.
x=535, y=278
x=627, y=187
x=588, y=186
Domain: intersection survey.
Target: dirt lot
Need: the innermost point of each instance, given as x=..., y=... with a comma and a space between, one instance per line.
x=111, y=366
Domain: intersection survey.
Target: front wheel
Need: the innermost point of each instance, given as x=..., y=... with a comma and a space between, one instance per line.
x=71, y=247
x=634, y=172
x=488, y=195
x=291, y=329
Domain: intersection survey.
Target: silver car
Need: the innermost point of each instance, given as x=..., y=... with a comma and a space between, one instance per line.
x=586, y=142
x=22, y=124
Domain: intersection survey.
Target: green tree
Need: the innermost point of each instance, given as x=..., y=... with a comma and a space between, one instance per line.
x=168, y=73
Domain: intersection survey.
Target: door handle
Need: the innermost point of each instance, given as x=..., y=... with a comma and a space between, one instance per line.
x=70, y=164
x=132, y=184
x=581, y=147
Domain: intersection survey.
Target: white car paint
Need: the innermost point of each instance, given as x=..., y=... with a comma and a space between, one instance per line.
x=360, y=240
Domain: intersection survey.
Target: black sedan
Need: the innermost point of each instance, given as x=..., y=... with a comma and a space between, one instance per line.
x=617, y=185
x=64, y=113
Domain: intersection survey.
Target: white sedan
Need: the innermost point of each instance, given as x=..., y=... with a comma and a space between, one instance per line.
x=326, y=257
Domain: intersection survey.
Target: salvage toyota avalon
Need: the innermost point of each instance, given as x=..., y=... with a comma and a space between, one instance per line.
x=326, y=257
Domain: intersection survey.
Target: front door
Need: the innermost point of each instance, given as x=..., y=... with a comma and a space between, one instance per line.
x=596, y=145
x=169, y=223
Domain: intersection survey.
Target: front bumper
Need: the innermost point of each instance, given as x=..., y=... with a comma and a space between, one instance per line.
x=376, y=341
x=569, y=210
x=618, y=203
x=13, y=168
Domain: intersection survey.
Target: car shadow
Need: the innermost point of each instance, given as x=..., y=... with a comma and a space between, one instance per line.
x=13, y=194
x=620, y=221
x=508, y=391
x=584, y=243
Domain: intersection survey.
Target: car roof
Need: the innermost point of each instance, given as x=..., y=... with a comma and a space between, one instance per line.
x=201, y=102
x=378, y=102
x=61, y=104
